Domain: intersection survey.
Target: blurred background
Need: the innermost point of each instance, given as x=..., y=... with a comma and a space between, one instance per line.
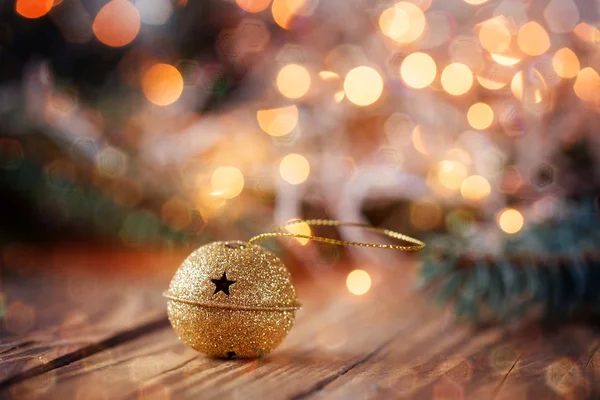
x=171, y=123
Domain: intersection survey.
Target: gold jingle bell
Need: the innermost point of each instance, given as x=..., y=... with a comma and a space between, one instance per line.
x=236, y=299
x=231, y=299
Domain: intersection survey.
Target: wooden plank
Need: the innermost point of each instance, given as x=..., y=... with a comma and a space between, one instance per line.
x=515, y=367
x=487, y=365
x=65, y=308
x=335, y=332
x=390, y=343
x=408, y=364
x=548, y=364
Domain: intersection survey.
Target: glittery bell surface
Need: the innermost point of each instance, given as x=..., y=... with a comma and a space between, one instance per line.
x=228, y=299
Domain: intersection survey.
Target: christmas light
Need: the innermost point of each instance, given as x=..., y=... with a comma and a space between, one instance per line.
x=363, y=86
x=293, y=81
x=510, y=220
x=358, y=282
x=117, y=23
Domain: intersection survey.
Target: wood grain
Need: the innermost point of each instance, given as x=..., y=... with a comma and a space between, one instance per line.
x=330, y=337
x=390, y=343
x=58, y=311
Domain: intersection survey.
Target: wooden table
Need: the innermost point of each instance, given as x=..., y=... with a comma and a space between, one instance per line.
x=101, y=332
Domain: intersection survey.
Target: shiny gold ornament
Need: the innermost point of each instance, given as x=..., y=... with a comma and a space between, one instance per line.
x=236, y=299
x=230, y=299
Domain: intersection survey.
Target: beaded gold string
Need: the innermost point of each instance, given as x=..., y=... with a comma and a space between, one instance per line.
x=278, y=232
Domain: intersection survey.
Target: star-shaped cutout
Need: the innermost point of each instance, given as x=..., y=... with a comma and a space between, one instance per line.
x=222, y=285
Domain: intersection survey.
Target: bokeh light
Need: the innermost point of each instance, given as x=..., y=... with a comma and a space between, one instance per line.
x=33, y=8
x=494, y=35
x=451, y=174
x=227, y=182
x=505, y=60
x=480, y=116
x=565, y=63
x=154, y=12
x=284, y=11
x=587, y=85
x=457, y=79
x=503, y=357
x=404, y=22
x=510, y=220
x=533, y=39
x=564, y=376
x=363, y=86
x=210, y=204
x=162, y=84
x=299, y=228
x=516, y=85
x=253, y=6
x=466, y=49
x=394, y=22
x=328, y=76
x=278, y=121
x=293, y=81
x=561, y=15
x=475, y=2
x=439, y=29
x=586, y=32
x=475, y=188
x=494, y=76
x=111, y=161
x=490, y=84
x=418, y=70
x=418, y=140
x=424, y=5
x=294, y=169
x=358, y=282
x=117, y=23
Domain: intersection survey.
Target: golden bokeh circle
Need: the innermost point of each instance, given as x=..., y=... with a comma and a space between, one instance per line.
x=363, y=86
x=162, y=84
x=418, y=70
x=293, y=81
